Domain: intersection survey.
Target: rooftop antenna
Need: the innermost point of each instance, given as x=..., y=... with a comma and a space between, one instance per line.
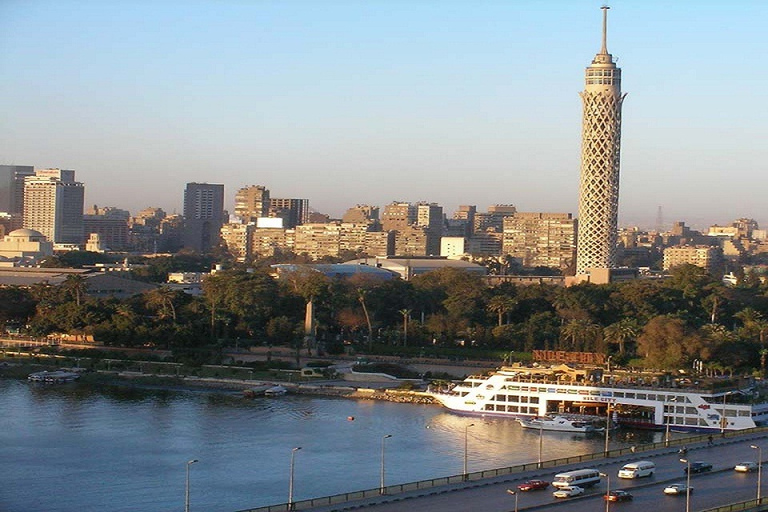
x=604, y=49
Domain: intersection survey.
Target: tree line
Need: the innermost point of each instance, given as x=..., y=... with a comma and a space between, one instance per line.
x=664, y=324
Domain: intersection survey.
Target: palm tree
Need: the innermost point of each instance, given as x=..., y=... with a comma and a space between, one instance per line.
x=76, y=286
x=621, y=332
x=361, y=299
x=581, y=333
x=501, y=305
x=406, y=314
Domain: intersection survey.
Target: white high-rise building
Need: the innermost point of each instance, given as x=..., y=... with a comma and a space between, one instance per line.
x=53, y=205
x=600, y=150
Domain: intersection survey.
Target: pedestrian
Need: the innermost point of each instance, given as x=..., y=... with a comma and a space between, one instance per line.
x=709, y=440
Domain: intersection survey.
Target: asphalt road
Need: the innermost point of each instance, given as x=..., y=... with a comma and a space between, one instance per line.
x=720, y=487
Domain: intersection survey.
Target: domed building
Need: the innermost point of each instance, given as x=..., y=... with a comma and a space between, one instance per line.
x=25, y=243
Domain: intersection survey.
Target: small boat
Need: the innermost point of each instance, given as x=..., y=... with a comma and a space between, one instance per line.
x=277, y=390
x=57, y=377
x=557, y=424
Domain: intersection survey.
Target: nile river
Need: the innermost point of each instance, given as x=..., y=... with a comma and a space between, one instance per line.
x=75, y=448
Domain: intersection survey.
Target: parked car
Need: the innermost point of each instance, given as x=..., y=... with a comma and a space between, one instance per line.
x=745, y=467
x=533, y=485
x=568, y=491
x=699, y=467
x=617, y=495
x=673, y=489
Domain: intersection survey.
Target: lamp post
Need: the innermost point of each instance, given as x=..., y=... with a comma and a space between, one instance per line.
x=607, y=491
x=514, y=493
x=667, y=419
x=186, y=487
x=466, y=451
x=607, y=427
x=541, y=432
x=382, y=489
x=290, y=478
x=687, y=485
x=759, y=469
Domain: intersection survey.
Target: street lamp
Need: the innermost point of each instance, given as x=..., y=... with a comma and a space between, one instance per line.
x=667, y=419
x=607, y=427
x=382, y=490
x=607, y=491
x=466, y=444
x=290, y=479
x=514, y=493
x=759, y=469
x=186, y=488
x=541, y=431
x=687, y=485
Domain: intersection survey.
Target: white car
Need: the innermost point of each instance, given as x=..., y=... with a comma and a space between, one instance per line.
x=677, y=489
x=745, y=467
x=568, y=491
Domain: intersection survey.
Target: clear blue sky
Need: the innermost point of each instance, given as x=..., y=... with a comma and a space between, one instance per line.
x=346, y=102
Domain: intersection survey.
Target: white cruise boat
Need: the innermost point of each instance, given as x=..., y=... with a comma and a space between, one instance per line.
x=634, y=399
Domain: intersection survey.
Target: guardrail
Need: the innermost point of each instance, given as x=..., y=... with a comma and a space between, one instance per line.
x=512, y=470
x=751, y=505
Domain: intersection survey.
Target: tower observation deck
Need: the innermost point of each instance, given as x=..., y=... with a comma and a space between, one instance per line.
x=600, y=150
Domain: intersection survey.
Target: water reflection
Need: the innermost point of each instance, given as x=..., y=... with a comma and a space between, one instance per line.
x=117, y=448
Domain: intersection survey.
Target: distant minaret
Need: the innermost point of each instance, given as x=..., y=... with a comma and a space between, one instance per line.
x=600, y=148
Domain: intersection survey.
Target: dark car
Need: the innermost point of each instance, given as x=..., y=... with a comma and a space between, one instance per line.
x=698, y=467
x=533, y=485
x=617, y=495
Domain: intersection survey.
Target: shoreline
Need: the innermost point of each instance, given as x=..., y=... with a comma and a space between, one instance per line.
x=239, y=387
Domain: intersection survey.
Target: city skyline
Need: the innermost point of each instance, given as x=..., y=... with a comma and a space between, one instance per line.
x=346, y=104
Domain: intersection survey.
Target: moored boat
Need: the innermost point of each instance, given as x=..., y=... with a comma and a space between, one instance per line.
x=630, y=398
x=557, y=424
x=55, y=377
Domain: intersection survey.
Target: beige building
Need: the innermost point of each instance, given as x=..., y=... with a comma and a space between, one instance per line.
x=493, y=219
x=707, y=257
x=53, y=205
x=318, y=240
x=268, y=242
x=27, y=244
x=251, y=203
x=237, y=238
x=540, y=239
x=398, y=216
x=361, y=214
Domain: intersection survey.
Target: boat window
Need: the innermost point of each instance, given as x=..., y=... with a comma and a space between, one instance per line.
x=618, y=394
x=731, y=412
x=514, y=398
x=562, y=390
x=691, y=410
x=534, y=399
x=651, y=397
x=514, y=408
x=524, y=399
x=500, y=398
x=691, y=421
x=630, y=395
x=488, y=407
x=743, y=413
x=641, y=396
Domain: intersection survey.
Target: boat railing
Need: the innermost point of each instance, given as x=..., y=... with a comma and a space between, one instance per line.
x=472, y=478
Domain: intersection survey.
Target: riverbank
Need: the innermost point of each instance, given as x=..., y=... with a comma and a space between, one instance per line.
x=342, y=389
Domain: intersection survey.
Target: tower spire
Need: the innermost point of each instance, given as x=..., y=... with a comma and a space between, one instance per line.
x=604, y=49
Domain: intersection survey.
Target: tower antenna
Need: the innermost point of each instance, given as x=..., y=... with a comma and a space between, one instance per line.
x=604, y=49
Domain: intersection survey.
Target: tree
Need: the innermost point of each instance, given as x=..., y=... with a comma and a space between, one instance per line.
x=76, y=286
x=665, y=343
x=581, y=334
x=163, y=298
x=501, y=305
x=621, y=332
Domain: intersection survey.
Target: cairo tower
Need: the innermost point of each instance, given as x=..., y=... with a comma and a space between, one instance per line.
x=600, y=149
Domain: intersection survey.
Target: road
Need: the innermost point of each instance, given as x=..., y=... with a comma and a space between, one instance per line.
x=720, y=487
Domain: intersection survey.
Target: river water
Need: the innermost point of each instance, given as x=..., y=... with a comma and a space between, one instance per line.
x=76, y=448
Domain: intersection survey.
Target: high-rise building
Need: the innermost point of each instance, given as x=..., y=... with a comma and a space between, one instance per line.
x=203, y=215
x=540, y=239
x=251, y=203
x=12, y=187
x=430, y=217
x=293, y=211
x=53, y=205
x=600, y=149
x=398, y=215
x=361, y=214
